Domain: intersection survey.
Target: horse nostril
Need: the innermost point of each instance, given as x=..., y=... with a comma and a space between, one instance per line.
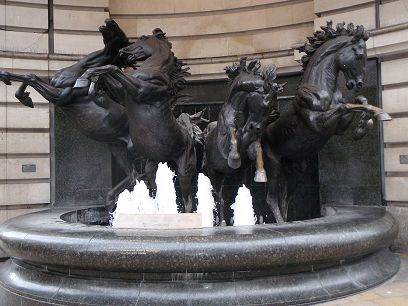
x=359, y=84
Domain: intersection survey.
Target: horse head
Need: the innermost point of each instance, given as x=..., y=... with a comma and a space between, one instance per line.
x=255, y=85
x=352, y=59
x=145, y=47
x=331, y=50
x=113, y=36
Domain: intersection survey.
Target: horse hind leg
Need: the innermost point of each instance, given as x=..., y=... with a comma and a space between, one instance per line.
x=49, y=92
x=113, y=194
x=186, y=170
x=150, y=174
x=119, y=152
x=24, y=96
x=272, y=198
x=217, y=182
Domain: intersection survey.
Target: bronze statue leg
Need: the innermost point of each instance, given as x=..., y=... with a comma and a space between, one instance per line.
x=217, y=182
x=272, y=197
x=260, y=173
x=24, y=96
x=49, y=92
x=119, y=152
x=150, y=172
x=234, y=159
x=186, y=169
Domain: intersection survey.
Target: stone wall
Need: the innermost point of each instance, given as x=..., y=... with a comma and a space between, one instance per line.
x=24, y=133
x=211, y=34
x=388, y=22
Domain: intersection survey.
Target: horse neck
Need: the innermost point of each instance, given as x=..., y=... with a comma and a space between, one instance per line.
x=323, y=73
x=162, y=60
x=233, y=105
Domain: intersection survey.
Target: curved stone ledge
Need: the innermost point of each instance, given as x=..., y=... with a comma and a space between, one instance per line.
x=21, y=285
x=344, y=234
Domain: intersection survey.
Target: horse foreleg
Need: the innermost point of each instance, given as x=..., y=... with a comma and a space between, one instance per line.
x=260, y=173
x=92, y=75
x=24, y=96
x=51, y=93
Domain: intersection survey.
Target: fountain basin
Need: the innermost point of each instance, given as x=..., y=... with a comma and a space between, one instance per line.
x=58, y=261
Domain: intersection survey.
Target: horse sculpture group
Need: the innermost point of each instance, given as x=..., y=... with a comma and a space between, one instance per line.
x=131, y=110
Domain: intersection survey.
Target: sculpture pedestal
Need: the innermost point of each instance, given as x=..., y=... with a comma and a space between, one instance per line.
x=61, y=263
x=158, y=221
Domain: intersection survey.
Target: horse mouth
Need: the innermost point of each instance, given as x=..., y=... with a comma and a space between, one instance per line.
x=133, y=58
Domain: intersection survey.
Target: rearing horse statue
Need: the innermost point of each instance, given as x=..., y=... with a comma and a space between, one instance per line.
x=97, y=116
x=233, y=142
x=148, y=94
x=320, y=110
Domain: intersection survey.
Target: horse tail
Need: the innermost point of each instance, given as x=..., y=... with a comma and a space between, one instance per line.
x=190, y=124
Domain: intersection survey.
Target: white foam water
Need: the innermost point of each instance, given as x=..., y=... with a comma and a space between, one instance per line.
x=243, y=210
x=139, y=202
x=166, y=194
x=206, y=203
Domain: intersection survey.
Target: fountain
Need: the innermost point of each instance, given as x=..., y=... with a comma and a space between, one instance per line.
x=68, y=256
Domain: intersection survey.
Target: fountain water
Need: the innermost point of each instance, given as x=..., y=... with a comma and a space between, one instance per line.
x=139, y=202
x=243, y=210
x=206, y=203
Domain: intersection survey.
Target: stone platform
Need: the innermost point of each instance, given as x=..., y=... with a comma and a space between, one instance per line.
x=55, y=261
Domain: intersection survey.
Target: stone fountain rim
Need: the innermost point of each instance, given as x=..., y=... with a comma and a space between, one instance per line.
x=344, y=234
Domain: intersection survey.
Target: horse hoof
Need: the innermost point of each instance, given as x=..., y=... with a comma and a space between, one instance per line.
x=110, y=208
x=27, y=101
x=82, y=82
x=260, y=176
x=223, y=223
x=234, y=163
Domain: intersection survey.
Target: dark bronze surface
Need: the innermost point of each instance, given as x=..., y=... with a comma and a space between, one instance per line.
x=66, y=263
x=231, y=142
x=320, y=110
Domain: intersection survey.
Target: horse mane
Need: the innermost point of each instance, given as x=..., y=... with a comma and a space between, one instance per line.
x=328, y=33
x=177, y=74
x=254, y=67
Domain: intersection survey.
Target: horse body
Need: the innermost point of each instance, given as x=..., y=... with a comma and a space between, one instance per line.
x=114, y=39
x=109, y=125
x=232, y=143
x=319, y=107
x=156, y=123
x=97, y=116
x=148, y=94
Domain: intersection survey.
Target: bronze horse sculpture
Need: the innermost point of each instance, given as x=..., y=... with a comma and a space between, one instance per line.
x=233, y=142
x=97, y=116
x=320, y=111
x=148, y=93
